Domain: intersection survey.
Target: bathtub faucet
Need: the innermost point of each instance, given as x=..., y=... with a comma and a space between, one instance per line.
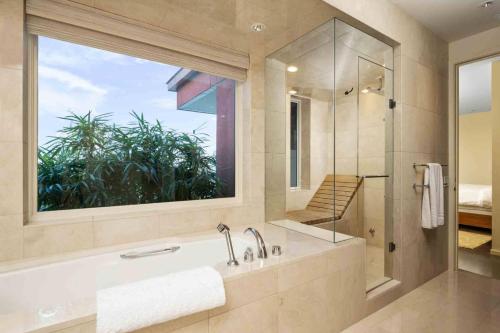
x=224, y=229
x=261, y=246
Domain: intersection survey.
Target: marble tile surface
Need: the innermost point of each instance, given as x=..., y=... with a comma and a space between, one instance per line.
x=310, y=278
x=452, y=302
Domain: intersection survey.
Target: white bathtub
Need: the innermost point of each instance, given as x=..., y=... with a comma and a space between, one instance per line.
x=50, y=294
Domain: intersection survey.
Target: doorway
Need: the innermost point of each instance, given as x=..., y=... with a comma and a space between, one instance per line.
x=476, y=149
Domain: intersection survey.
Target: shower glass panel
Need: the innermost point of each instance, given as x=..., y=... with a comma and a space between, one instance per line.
x=363, y=136
x=299, y=134
x=329, y=140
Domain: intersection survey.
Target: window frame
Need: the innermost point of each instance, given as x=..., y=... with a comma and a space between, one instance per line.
x=299, y=143
x=86, y=214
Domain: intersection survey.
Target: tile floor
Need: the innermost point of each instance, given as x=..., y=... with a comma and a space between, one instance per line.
x=479, y=260
x=452, y=302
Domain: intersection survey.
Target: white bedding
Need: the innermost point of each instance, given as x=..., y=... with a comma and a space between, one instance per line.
x=474, y=195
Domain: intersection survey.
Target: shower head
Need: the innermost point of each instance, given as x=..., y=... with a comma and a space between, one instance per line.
x=222, y=228
x=379, y=90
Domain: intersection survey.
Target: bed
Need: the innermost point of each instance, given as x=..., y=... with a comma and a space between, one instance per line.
x=474, y=205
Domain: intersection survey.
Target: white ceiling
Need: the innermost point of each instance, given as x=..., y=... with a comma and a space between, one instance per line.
x=474, y=89
x=453, y=19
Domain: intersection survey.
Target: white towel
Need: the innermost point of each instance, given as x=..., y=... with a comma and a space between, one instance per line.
x=145, y=303
x=433, y=197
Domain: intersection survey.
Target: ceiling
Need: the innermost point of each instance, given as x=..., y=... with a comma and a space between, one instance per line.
x=475, y=86
x=453, y=19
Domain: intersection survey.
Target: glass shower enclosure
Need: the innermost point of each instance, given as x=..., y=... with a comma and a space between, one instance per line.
x=329, y=140
x=364, y=145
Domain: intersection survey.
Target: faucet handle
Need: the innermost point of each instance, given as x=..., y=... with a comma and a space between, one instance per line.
x=248, y=255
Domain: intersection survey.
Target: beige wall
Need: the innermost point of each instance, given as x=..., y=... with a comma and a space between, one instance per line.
x=480, y=45
x=474, y=144
x=371, y=159
x=363, y=155
x=11, y=134
x=495, y=110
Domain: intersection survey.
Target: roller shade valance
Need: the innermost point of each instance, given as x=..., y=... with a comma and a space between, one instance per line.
x=73, y=22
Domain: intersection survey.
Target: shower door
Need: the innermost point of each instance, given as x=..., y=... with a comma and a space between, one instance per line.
x=363, y=160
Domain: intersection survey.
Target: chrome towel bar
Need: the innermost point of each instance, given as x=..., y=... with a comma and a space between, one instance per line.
x=415, y=165
x=135, y=255
x=415, y=186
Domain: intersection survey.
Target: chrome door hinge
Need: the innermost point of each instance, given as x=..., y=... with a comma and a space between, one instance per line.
x=392, y=104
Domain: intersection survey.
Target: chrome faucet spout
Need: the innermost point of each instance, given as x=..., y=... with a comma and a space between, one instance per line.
x=224, y=229
x=261, y=246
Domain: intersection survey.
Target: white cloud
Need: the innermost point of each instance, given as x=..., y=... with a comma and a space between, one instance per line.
x=71, y=80
x=54, y=58
x=59, y=102
x=165, y=103
x=60, y=91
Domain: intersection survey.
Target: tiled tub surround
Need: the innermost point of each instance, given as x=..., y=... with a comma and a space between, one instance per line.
x=314, y=286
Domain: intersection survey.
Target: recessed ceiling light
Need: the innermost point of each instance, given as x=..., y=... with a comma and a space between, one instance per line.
x=292, y=92
x=292, y=69
x=257, y=27
x=487, y=4
x=365, y=91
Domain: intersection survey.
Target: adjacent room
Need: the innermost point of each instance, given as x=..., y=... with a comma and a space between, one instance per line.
x=476, y=125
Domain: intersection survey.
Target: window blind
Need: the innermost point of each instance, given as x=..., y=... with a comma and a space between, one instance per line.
x=69, y=21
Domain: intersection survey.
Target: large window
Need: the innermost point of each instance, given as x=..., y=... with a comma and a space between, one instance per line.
x=119, y=130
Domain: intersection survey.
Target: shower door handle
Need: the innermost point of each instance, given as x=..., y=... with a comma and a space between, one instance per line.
x=374, y=176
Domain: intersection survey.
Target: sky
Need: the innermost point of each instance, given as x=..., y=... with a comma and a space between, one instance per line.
x=76, y=78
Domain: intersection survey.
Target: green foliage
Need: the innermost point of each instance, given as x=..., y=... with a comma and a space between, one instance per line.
x=93, y=163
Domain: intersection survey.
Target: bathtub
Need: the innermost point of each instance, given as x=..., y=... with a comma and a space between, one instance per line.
x=51, y=294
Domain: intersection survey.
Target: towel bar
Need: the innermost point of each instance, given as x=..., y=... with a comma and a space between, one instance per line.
x=135, y=255
x=415, y=186
x=415, y=165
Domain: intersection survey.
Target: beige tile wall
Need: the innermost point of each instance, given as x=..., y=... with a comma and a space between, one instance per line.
x=11, y=124
x=322, y=293
x=275, y=131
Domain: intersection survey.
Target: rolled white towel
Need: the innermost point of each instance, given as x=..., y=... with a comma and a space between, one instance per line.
x=136, y=305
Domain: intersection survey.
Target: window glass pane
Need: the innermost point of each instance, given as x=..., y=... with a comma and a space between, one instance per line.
x=119, y=130
x=294, y=124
